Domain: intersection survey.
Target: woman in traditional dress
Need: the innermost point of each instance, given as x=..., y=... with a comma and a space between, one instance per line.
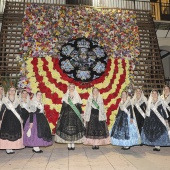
x=37, y=131
x=155, y=128
x=139, y=107
x=166, y=98
x=95, y=117
x=125, y=131
x=1, y=96
x=24, y=103
x=11, y=133
x=70, y=126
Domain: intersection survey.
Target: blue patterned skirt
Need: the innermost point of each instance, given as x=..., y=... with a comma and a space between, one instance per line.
x=134, y=138
x=154, y=132
x=163, y=140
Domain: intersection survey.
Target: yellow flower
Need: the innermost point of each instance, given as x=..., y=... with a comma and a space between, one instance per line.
x=51, y=126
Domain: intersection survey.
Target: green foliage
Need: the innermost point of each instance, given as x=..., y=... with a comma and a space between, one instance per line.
x=9, y=82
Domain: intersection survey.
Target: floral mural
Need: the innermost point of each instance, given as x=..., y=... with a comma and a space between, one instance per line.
x=52, y=53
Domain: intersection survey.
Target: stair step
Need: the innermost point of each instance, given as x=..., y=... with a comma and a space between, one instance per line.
x=13, y=67
x=141, y=77
x=13, y=25
x=140, y=23
x=158, y=66
x=149, y=48
x=148, y=39
x=16, y=9
x=10, y=43
x=144, y=27
x=144, y=32
x=12, y=30
x=148, y=74
x=13, y=71
x=12, y=22
x=149, y=89
x=150, y=60
x=15, y=16
x=155, y=52
x=12, y=39
x=5, y=52
x=150, y=79
x=143, y=36
x=9, y=18
x=11, y=34
x=10, y=60
x=146, y=43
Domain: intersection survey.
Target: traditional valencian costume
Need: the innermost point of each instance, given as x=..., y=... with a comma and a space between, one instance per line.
x=1, y=99
x=139, y=107
x=166, y=100
x=24, y=107
x=70, y=126
x=124, y=133
x=155, y=128
x=11, y=131
x=1, y=96
x=40, y=133
x=1, y=102
x=96, y=128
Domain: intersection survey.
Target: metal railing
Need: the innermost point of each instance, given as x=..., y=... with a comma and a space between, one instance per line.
x=125, y=4
x=159, y=10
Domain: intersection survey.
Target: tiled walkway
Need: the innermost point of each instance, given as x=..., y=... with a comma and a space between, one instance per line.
x=57, y=157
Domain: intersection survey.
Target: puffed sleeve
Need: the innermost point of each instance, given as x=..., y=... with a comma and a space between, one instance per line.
x=19, y=111
x=64, y=105
x=78, y=105
x=31, y=117
x=131, y=111
x=32, y=108
x=32, y=113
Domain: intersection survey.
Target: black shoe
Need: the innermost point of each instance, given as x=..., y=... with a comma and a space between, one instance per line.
x=73, y=148
x=96, y=147
x=40, y=151
x=10, y=152
x=125, y=148
x=156, y=149
x=69, y=148
x=93, y=147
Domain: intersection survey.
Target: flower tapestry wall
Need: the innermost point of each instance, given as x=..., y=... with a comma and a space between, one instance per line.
x=48, y=32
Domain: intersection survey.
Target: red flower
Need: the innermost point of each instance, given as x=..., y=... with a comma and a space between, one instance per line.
x=52, y=115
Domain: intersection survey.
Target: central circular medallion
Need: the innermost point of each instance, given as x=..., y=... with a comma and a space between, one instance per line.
x=83, y=59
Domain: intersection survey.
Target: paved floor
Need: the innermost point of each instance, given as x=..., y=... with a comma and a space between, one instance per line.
x=57, y=157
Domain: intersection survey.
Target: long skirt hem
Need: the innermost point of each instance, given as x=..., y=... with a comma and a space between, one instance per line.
x=58, y=139
x=97, y=142
x=162, y=141
x=70, y=138
x=34, y=140
x=134, y=138
x=6, y=144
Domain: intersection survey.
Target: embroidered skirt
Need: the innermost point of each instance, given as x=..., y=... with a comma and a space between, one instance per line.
x=40, y=132
x=96, y=131
x=69, y=126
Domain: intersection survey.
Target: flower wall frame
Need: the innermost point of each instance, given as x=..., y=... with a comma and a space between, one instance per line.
x=47, y=28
